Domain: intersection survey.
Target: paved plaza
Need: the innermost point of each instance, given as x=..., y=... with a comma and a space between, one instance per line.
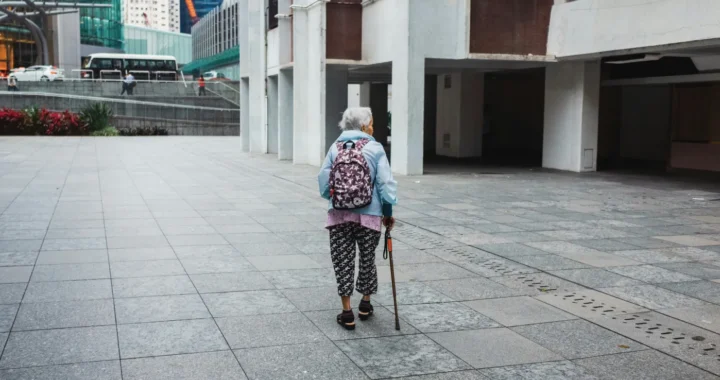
x=182, y=258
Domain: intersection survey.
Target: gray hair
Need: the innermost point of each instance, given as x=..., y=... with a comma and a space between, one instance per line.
x=355, y=118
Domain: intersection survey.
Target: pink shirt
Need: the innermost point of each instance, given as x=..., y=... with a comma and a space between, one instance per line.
x=336, y=217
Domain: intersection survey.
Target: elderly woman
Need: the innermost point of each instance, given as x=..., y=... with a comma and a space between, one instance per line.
x=357, y=180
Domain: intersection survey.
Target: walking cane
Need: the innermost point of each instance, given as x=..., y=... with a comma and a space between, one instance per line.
x=388, y=253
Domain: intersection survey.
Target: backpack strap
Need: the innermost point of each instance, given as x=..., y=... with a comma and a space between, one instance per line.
x=355, y=144
x=361, y=143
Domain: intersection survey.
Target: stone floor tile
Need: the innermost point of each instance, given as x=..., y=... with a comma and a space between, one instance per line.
x=507, y=347
x=169, y=338
x=7, y=316
x=561, y=370
x=73, y=244
x=82, y=290
x=192, y=240
x=11, y=293
x=160, y=308
x=699, y=270
x=48, y=347
x=437, y=317
x=433, y=271
x=121, y=242
x=302, y=278
x=400, y=356
x=57, y=315
x=270, y=330
x=150, y=268
x=141, y=254
x=247, y=303
x=152, y=286
x=206, y=252
x=584, y=255
x=230, y=282
x=321, y=361
x=6, y=234
x=651, y=274
x=270, y=263
x=577, y=339
x=705, y=316
x=15, y=274
x=646, y=242
x=652, y=297
x=605, y=245
x=20, y=245
x=549, y=262
x=647, y=364
x=468, y=289
x=409, y=293
x=705, y=290
x=459, y=375
x=512, y=250
x=515, y=311
x=71, y=272
x=536, y=283
x=216, y=264
x=188, y=230
x=382, y=323
x=595, y=277
x=220, y=365
x=316, y=298
x=72, y=257
x=18, y=258
x=688, y=240
x=75, y=233
x=268, y=249
x=106, y=370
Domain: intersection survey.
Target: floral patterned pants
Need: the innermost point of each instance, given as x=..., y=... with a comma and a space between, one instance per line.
x=343, y=239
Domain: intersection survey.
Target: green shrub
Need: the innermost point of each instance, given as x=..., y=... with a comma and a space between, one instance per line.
x=107, y=131
x=33, y=123
x=96, y=116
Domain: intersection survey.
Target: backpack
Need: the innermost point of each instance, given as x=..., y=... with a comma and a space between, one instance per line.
x=350, y=183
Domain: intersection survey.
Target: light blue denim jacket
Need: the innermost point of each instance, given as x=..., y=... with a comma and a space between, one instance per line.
x=385, y=187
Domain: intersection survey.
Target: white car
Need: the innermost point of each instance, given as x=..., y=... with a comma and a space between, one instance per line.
x=38, y=73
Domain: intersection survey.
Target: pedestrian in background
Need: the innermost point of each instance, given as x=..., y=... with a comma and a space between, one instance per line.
x=356, y=178
x=12, y=84
x=201, y=86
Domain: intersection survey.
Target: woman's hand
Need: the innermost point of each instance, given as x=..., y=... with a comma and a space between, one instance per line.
x=388, y=222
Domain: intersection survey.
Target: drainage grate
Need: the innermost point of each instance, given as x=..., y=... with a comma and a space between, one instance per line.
x=667, y=334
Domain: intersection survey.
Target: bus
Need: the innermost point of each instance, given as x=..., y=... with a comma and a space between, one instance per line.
x=142, y=66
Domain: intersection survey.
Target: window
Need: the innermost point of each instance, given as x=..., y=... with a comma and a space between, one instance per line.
x=272, y=12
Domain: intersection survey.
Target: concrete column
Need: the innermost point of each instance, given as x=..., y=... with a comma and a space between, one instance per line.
x=408, y=79
x=336, y=101
x=570, y=135
x=459, y=118
x=285, y=115
x=257, y=72
x=365, y=94
x=244, y=115
x=272, y=114
x=378, y=102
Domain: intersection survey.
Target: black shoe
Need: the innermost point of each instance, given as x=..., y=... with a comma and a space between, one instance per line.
x=346, y=319
x=365, y=310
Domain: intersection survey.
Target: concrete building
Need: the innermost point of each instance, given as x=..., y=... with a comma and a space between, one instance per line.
x=215, y=42
x=570, y=85
x=202, y=7
x=156, y=14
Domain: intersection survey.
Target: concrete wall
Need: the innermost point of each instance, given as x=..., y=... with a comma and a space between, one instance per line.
x=595, y=26
x=178, y=127
x=273, y=46
x=459, y=124
x=66, y=41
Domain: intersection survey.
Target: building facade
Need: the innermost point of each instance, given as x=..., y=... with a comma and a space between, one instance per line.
x=141, y=40
x=202, y=8
x=156, y=14
x=571, y=85
x=215, y=41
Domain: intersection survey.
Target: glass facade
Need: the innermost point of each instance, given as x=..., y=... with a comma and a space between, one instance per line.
x=140, y=40
x=17, y=48
x=102, y=26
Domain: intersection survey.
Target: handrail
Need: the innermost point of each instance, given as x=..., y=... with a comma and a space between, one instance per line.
x=115, y=100
x=109, y=71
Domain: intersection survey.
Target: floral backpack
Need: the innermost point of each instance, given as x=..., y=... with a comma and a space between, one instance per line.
x=350, y=183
